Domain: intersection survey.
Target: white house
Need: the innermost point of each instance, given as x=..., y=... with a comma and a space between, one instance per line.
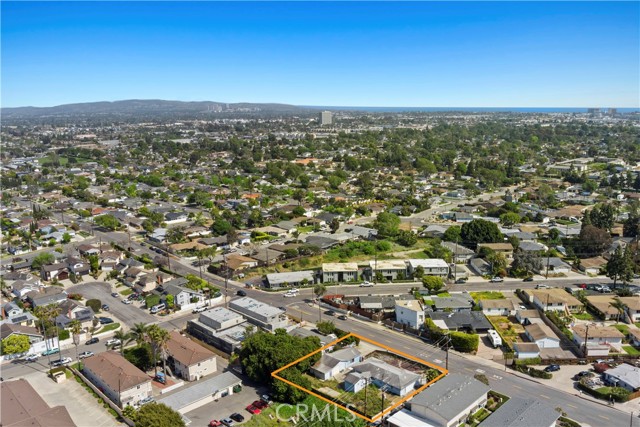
x=447, y=403
x=118, y=378
x=190, y=360
x=542, y=335
x=331, y=364
x=625, y=376
x=597, y=336
x=396, y=380
x=633, y=307
x=389, y=269
x=498, y=307
x=526, y=350
x=339, y=272
x=410, y=312
x=430, y=267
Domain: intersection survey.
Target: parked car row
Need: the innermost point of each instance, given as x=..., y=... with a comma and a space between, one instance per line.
x=254, y=408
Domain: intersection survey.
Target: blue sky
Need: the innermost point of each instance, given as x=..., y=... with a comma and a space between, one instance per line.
x=475, y=54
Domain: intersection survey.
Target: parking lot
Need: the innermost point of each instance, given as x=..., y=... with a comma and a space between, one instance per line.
x=228, y=405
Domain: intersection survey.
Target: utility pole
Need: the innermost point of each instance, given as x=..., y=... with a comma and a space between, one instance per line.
x=447, y=352
x=586, y=338
x=226, y=282
x=455, y=257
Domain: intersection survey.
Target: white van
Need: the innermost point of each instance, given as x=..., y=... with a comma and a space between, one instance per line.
x=156, y=308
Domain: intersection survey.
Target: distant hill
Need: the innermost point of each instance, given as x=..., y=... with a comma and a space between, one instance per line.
x=145, y=107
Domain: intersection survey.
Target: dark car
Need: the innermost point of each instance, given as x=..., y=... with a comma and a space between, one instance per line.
x=92, y=341
x=105, y=307
x=236, y=417
x=552, y=368
x=241, y=293
x=581, y=374
x=342, y=317
x=114, y=294
x=528, y=279
x=105, y=320
x=461, y=281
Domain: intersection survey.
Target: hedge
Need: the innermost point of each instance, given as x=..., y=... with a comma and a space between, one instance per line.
x=466, y=343
x=536, y=373
x=63, y=335
x=531, y=361
x=618, y=394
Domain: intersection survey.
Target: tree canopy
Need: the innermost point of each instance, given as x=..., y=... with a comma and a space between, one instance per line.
x=387, y=224
x=15, y=344
x=158, y=415
x=480, y=231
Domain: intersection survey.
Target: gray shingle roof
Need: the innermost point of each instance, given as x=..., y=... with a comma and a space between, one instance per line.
x=519, y=412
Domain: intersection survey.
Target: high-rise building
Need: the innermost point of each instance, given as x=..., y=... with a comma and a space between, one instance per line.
x=325, y=118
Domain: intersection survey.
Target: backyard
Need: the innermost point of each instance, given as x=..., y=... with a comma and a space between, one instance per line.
x=510, y=331
x=486, y=295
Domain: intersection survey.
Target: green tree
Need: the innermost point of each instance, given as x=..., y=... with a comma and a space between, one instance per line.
x=109, y=222
x=452, y=234
x=603, y=216
x=319, y=290
x=15, y=344
x=592, y=241
x=387, y=224
x=158, y=415
x=169, y=299
x=631, y=227
x=620, y=306
x=129, y=412
x=498, y=263
x=44, y=258
x=75, y=327
x=620, y=266
x=94, y=304
x=176, y=235
x=480, y=231
x=525, y=263
x=335, y=224
x=141, y=356
x=139, y=332
x=124, y=337
x=432, y=283
x=66, y=238
x=509, y=219
x=326, y=327
x=407, y=238
x=159, y=338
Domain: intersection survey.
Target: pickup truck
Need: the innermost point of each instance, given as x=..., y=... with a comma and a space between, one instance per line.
x=496, y=279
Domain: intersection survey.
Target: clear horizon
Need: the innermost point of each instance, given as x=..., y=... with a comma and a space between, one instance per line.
x=369, y=54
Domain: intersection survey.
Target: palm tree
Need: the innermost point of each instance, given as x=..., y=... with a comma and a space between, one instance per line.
x=47, y=315
x=124, y=337
x=76, y=327
x=159, y=338
x=319, y=290
x=618, y=305
x=139, y=332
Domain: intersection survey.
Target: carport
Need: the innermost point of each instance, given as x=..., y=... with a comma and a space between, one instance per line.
x=202, y=393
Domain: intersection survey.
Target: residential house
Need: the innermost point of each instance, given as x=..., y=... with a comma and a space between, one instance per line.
x=598, y=340
x=455, y=302
x=331, y=364
x=175, y=217
x=21, y=406
x=602, y=305
x=127, y=263
x=78, y=267
x=86, y=250
x=46, y=296
x=430, y=267
x=118, y=378
x=388, y=269
x=526, y=350
x=526, y=317
x=624, y=375
x=236, y=262
x=554, y=265
x=393, y=379
x=11, y=309
x=268, y=256
x=378, y=303
x=554, y=299
x=473, y=321
x=260, y=314
x=542, y=335
x=410, y=312
x=58, y=271
x=205, y=392
x=461, y=254
x=446, y=403
x=219, y=327
x=8, y=329
x=70, y=310
x=503, y=248
x=522, y=412
x=498, y=307
x=480, y=266
x=183, y=296
x=290, y=279
x=532, y=247
x=592, y=265
x=109, y=259
x=188, y=359
x=634, y=337
x=339, y=272
x=633, y=307
x=272, y=231
x=324, y=339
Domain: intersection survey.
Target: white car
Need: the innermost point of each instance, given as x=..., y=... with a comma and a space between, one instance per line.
x=32, y=358
x=366, y=284
x=126, y=301
x=113, y=342
x=199, y=309
x=497, y=279
x=289, y=294
x=85, y=354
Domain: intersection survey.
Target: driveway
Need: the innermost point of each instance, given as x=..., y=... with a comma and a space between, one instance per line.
x=128, y=314
x=82, y=406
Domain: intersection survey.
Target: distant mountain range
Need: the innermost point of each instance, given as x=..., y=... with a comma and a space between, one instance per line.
x=146, y=107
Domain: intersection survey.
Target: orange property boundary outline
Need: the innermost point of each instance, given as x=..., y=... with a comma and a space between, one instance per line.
x=443, y=371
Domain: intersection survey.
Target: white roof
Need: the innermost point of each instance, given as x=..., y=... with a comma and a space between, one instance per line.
x=339, y=266
x=428, y=263
x=405, y=418
x=388, y=265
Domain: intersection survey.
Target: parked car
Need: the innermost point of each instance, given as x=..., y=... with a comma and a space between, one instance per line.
x=51, y=351
x=528, y=279
x=85, y=354
x=342, y=317
x=497, y=279
x=32, y=358
x=236, y=417
x=552, y=368
x=461, y=281
x=92, y=341
x=266, y=399
x=214, y=423
x=199, y=309
x=241, y=293
x=541, y=286
x=113, y=342
x=227, y=422
x=366, y=284
x=289, y=295
x=105, y=307
x=114, y=294
x=105, y=320
x=161, y=378
x=330, y=313
x=60, y=362
x=253, y=410
x=260, y=404
x=126, y=301
x=146, y=400
x=581, y=374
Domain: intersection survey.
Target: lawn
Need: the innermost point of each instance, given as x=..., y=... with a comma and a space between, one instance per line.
x=637, y=324
x=632, y=351
x=126, y=292
x=444, y=294
x=583, y=316
x=107, y=328
x=486, y=295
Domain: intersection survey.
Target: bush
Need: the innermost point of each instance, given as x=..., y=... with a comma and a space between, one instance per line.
x=531, y=361
x=618, y=394
x=535, y=373
x=95, y=305
x=326, y=328
x=152, y=300
x=63, y=335
x=466, y=343
x=141, y=356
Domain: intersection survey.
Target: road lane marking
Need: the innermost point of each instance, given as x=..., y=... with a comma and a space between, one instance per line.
x=480, y=371
x=603, y=417
x=498, y=377
x=545, y=396
x=573, y=406
x=437, y=360
x=517, y=386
